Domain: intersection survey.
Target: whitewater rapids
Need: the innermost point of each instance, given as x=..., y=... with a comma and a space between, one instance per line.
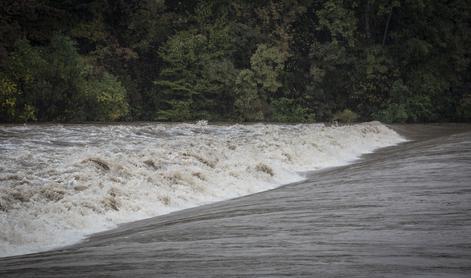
x=59, y=183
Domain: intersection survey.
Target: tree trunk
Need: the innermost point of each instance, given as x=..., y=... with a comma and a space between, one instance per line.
x=367, y=20
x=386, y=28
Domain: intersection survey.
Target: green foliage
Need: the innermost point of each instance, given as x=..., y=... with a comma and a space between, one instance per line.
x=224, y=60
x=197, y=77
x=254, y=85
x=248, y=102
x=55, y=83
x=393, y=113
x=180, y=111
x=345, y=116
x=286, y=110
x=28, y=113
x=415, y=109
x=23, y=70
x=326, y=83
x=105, y=98
x=8, y=95
x=267, y=63
x=339, y=20
x=404, y=106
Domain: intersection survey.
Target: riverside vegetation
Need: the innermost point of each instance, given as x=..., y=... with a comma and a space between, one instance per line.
x=283, y=61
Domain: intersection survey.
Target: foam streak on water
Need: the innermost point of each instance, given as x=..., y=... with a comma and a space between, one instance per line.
x=60, y=183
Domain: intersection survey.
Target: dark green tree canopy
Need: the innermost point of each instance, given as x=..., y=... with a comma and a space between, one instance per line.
x=270, y=60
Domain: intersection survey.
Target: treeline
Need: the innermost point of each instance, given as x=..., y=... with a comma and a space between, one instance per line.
x=267, y=60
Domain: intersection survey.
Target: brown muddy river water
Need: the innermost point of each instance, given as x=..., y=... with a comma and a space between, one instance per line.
x=402, y=210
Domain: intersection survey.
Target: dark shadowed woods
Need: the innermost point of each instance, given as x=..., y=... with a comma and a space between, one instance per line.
x=283, y=61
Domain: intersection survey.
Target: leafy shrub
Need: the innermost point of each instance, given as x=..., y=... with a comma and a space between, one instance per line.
x=8, y=94
x=415, y=108
x=288, y=111
x=107, y=98
x=180, y=111
x=57, y=84
x=394, y=113
x=248, y=102
x=267, y=63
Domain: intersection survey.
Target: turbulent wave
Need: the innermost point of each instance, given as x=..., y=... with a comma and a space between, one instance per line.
x=60, y=183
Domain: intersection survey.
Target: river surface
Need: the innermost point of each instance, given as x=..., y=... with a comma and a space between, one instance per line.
x=402, y=211
x=60, y=183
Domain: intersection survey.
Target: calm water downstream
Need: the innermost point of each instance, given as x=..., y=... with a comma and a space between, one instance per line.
x=403, y=211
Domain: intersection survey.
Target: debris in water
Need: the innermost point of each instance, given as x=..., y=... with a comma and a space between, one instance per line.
x=264, y=168
x=102, y=164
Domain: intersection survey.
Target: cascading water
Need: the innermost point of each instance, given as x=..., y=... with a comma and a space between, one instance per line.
x=59, y=183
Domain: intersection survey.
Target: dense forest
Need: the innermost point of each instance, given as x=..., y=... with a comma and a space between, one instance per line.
x=267, y=60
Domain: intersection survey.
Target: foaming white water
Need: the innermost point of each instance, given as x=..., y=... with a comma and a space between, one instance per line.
x=60, y=183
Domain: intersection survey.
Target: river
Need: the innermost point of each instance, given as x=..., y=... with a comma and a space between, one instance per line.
x=403, y=210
